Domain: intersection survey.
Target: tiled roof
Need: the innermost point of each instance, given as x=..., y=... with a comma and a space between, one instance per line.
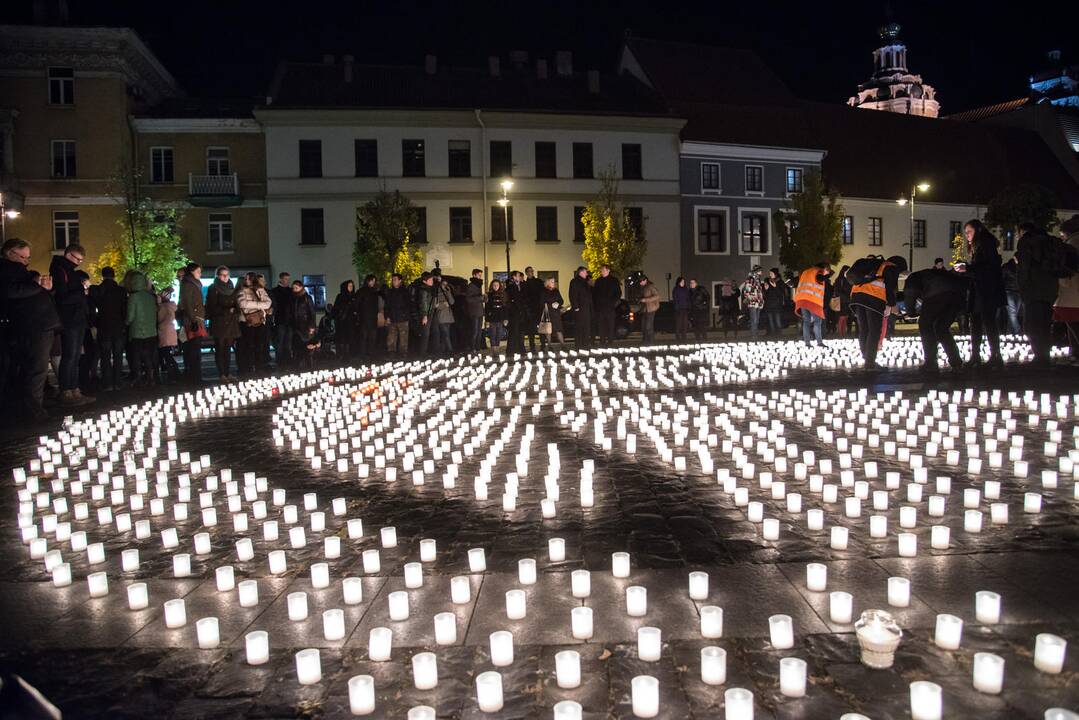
x=989, y=110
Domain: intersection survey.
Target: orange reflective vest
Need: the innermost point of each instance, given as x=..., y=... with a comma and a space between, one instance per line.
x=874, y=288
x=810, y=293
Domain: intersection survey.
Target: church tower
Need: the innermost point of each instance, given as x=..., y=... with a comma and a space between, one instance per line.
x=893, y=87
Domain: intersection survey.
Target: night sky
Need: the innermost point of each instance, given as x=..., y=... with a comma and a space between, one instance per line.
x=973, y=53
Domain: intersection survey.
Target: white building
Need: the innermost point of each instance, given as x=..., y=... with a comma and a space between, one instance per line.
x=337, y=133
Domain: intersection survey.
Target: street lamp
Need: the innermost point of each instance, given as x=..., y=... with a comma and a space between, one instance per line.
x=10, y=208
x=902, y=202
x=504, y=201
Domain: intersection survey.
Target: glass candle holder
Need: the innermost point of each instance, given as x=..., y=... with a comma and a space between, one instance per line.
x=645, y=696
x=516, y=604
x=380, y=644
x=424, y=671
x=333, y=624
x=713, y=665
x=361, y=694
x=308, y=666
x=581, y=583
x=372, y=563
x=257, y=647
x=840, y=607
x=987, y=607
x=138, y=597
x=352, y=589
x=738, y=704
x=501, y=648
x=413, y=575
x=781, y=631
x=175, y=613
x=988, y=673
x=568, y=709
x=526, y=571
x=898, y=592
x=581, y=623
x=636, y=601
x=460, y=590
x=445, y=628
x=208, y=633
x=620, y=564
x=568, y=669
x=248, y=591
x=698, y=586
x=297, y=606
x=489, y=691
x=1049, y=652
x=949, y=631
x=792, y=677
x=926, y=702
x=711, y=622
x=649, y=643
x=816, y=577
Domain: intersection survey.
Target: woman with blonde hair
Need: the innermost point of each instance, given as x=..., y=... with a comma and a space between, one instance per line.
x=254, y=302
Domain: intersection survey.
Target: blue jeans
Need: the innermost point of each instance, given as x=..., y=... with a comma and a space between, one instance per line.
x=812, y=328
x=1015, y=313
x=444, y=338
x=475, y=333
x=497, y=332
x=282, y=344
x=754, y=320
x=775, y=322
x=71, y=339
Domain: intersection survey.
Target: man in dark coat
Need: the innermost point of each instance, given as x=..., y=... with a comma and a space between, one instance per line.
x=474, y=309
x=367, y=302
x=302, y=318
x=69, y=292
x=281, y=297
x=605, y=294
x=191, y=314
x=874, y=301
x=109, y=302
x=580, y=300
x=943, y=295
x=1038, y=287
x=30, y=321
x=424, y=308
x=701, y=308
x=396, y=301
x=517, y=313
x=533, y=306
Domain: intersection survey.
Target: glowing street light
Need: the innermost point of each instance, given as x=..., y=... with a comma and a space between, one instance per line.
x=902, y=202
x=504, y=201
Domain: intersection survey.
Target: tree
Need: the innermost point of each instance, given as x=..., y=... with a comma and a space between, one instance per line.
x=384, y=227
x=609, y=236
x=1026, y=202
x=959, y=249
x=147, y=238
x=810, y=228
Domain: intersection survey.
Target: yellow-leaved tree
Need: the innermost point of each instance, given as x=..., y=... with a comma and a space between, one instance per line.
x=384, y=227
x=610, y=236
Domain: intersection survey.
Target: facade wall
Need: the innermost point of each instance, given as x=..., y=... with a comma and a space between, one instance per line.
x=895, y=224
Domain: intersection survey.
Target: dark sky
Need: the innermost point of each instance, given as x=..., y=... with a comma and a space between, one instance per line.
x=974, y=53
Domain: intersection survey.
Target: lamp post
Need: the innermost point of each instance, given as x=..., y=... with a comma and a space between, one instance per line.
x=504, y=201
x=923, y=187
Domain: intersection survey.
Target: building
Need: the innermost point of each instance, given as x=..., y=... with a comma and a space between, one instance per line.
x=892, y=87
x=337, y=133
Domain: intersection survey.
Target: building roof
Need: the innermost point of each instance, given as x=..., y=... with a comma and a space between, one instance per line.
x=311, y=86
x=989, y=110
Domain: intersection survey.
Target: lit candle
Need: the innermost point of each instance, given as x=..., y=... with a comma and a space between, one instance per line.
x=489, y=691
x=940, y=537
x=738, y=704
x=380, y=644
x=636, y=601
x=297, y=606
x=413, y=575
x=98, y=584
x=792, y=677
x=713, y=665
x=308, y=666
x=129, y=560
x=908, y=545
x=972, y=521
x=839, y=538
x=138, y=597
x=257, y=646
x=925, y=701
x=649, y=643
x=175, y=613
x=333, y=624
x=278, y=562
x=398, y=601
x=987, y=607
x=225, y=577
x=988, y=673
x=949, y=631
x=841, y=607
x=361, y=694
x=352, y=588
x=477, y=562
x=372, y=563
x=445, y=628
x=898, y=592
x=581, y=623
x=698, y=586
x=460, y=590
x=1049, y=651
x=568, y=709
x=389, y=537
x=581, y=583
x=620, y=564
x=249, y=593
x=567, y=665
x=424, y=671
x=501, y=648
x=645, y=696
x=781, y=631
x=526, y=571
x=209, y=636
x=816, y=577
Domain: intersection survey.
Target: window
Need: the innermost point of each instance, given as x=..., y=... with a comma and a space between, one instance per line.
x=582, y=160
x=220, y=232
x=460, y=158
x=63, y=158
x=65, y=229
x=754, y=179
x=876, y=231
x=847, y=230
x=315, y=285
x=501, y=158
x=498, y=223
x=636, y=220
x=217, y=161
x=711, y=231
x=460, y=224
x=955, y=229
x=366, y=152
x=754, y=241
x=578, y=224
x=710, y=177
x=161, y=165
x=61, y=86
x=631, y=161
x=794, y=180
x=310, y=158
x=420, y=238
x=413, y=162
x=547, y=224
x=919, y=233
x=312, y=227
x=546, y=165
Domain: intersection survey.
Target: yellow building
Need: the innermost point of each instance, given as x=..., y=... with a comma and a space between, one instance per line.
x=78, y=104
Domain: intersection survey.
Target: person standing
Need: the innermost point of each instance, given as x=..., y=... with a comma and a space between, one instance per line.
x=580, y=300
x=69, y=292
x=873, y=300
x=109, y=301
x=474, y=310
x=396, y=308
x=142, y=329
x=606, y=292
x=841, y=288
x=1066, y=309
x=775, y=299
x=30, y=323
x=254, y=303
x=496, y=313
x=701, y=302
x=192, y=317
x=551, y=332
x=166, y=335
x=425, y=303
x=367, y=302
x=987, y=292
x=649, y=306
x=1014, y=311
x=1038, y=277
x=727, y=300
x=224, y=315
x=303, y=324
x=809, y=302
x=682, y=299
x=281, y=295
x=751, y=294
x=533, y=306
x=346, y=324
x=516, y=313
x=443, y=316
x=943, y=296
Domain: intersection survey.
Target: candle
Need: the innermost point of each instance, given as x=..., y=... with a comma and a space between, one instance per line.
x=645, y=696
x=209, y=636
x=898, y=592
x=568, y=709
x=308, y=666
x=421, y=712
x=972, y=521
x=581, y=623
x=515, y=604
x=581, y=583
x=908, y=545
x=816, y=577
x=526, y=571
x=225, y=577
x=424, y=671
x=257, y=646
x=987, y=607
x=620, y=564
x=1032, y=502
x=698, y=586
x=940, y=537
x=413, y=575
x=489, y=691
x=988, y=673
x=297, y=606
x=649, y=643
x=379, y=644
x=460, y=590
x=501, y=648
x=398, y=601
x=477, y=562
x=770, y=529
x=713, y=665
x=781, y=632
x=138, y=597
x=949, y=631
x=278, y=563
x=175, y=613
x=840, y=607
x=371, y=562
x=129, y=560
x=1060, y=714
x=352, y=588
x=244, y=550
x=333, y=624
x=445, y=628
x=925, y=701
x=1049, y=651
x=389, y=537
x=361, y=694
x=815, y=519
x=567, y=665
x=98, y=584
x=636, y=601
x=839, y=538
x=738, y=704
x=711, y=622
x=792, y=677
x=249, y=593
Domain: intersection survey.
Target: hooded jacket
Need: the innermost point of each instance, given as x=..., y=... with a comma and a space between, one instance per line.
x=67, y=290
x=222, y=310
x=141, y=310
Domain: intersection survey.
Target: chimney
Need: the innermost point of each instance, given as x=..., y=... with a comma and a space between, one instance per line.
x=541, y=68
x=492, y=63
x=563, y=62
x=430, y=64
x=348, y=61
x=327, y=59
x=593, y=82
x=519, y=59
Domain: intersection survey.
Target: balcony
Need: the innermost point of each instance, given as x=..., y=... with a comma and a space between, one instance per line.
x=214, y=190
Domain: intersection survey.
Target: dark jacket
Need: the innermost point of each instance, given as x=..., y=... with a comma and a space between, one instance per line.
x=474, y=298
x=775, y=296
x=701, y=298
x=516, y=304
x=931, y=286
x=367, y=300
x=554, y=305
x=68, y=292
x=682, y=297
x=28, y=306
x=281, y=295
x=301, y=313
x=424, y=301
x=496, y=306
x=222, y=310
x=606, y=292
x=533, y=296
x=1037, y=283
x=396, y=302
x=109, y=302
x=891, y=291
x=580, y=295
x=191, y=310
x=1009, y=271
x=344, y=312
x=987, y=279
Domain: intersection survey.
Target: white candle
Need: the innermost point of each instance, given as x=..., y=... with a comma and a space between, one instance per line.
x=175, y=613
x=949, y=631
x=460, y=590
x=581, y=623
x=645, y=696
x=841, y=607
x=940, y=537
x=698, y=586
x=361, y=694
x=398, y=601
x=424, y=670
x=297, y=606
x=988, y=673
x=987, y=607
x=898, y=592
x=372, y=563
x=556, y=550
x=1032, y=502
x=1049, y=651
x=421, y=712
x=98, y=584
x=526, y=571
x=781, y=631
x=713, y=665
x=636, y=601
x=257, y=646
x=792, y=677
x=389, y=537
x=226, y=578
x=568, y=709
x=515, y=604
x=501, y=648
x=711, y=622
x=380, y=644
x=770, y=529
x=413, y=575
x=878, y=526
x=816, y=577
x=137, y=596
x=209, y=636
x=489, y=691
x=1060, y=714
x=649, y=643
x=308, y=666
x=839, y=538
x=129, y=560
x=738, y=704
x=908, y=545
x=244, y=550
x=925, y=701
x=620, y=564
x=815, y=519
x=249, y=593
x=333, y=624
x=352, y=588
x=581, y=583
x=568, y=669
x=972, y=521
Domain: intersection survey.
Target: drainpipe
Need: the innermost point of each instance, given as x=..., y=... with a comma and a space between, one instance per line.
x=483, y=176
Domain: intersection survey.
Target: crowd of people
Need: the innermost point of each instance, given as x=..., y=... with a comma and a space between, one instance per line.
x=85, y=331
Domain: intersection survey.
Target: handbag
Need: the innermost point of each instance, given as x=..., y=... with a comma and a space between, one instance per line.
x=835, y=304
x=544, y=327
x=255, y=318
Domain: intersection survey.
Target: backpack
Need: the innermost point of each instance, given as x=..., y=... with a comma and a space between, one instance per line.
x=863, y=271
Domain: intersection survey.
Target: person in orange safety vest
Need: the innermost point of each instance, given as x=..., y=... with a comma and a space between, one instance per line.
x=809, y=302
x=873, y=301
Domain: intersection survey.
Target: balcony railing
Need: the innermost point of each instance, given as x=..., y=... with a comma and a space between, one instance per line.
x=213, y=185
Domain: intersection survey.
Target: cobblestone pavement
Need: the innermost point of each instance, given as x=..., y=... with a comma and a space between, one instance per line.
x=721, y=436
